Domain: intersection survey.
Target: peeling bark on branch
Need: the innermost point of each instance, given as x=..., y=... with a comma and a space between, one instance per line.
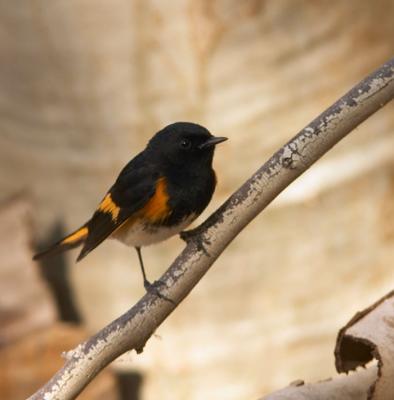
x=342, y=387
x=367, y=336
x=207, y=242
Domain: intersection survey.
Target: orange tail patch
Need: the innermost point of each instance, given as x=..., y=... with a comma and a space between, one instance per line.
x=69, y=242
x=76, y=236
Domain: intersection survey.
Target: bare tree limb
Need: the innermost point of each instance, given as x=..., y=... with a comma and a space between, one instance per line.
x=342, y=387
x=207, y=242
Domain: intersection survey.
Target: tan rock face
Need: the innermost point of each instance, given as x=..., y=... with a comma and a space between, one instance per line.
x=82, y=88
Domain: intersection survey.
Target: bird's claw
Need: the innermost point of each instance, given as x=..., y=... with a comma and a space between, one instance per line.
x=153, y=288
x=186, y=236
x=199, y=240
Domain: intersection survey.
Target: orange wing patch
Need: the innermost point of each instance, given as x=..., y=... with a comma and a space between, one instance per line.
x=76, y=236
x=157, y=209
x=108, y=206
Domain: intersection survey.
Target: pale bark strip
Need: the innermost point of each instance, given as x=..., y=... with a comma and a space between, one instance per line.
x=367, y=336
x=133, y=329
x=343, y=387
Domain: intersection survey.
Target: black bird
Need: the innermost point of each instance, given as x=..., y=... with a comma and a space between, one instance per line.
x=156, y=195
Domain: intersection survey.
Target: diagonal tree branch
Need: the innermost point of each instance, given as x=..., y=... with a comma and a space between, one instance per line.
x=208, y=241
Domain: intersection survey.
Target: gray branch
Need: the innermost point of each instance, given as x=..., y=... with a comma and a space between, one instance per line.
x=208, y=241
x=342, y=387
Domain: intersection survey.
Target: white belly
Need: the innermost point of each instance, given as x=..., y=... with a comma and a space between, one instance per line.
x=138, y=234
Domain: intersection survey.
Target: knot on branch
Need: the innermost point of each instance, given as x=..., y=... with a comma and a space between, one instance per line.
x=290, y=156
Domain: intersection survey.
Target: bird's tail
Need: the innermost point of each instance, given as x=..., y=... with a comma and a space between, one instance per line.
x=74, y=239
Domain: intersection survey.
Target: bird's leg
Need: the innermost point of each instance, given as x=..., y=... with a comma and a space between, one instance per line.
x=152, y=288
x=147, y=284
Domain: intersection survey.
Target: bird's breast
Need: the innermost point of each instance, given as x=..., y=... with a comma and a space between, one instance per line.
x=189, y=195
x=139, y=232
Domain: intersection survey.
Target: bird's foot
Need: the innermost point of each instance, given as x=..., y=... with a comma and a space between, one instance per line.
x=198, y=238
x=186, y=236
x=154, y=289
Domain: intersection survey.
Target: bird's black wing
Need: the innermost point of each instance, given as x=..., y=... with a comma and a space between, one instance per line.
x=132, y=190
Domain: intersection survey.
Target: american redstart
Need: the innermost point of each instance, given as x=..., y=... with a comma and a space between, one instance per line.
x=156, y=195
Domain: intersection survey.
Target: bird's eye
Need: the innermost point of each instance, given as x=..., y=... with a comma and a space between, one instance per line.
x=186, y=144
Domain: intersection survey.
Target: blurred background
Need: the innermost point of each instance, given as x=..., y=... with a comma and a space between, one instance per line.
x=84, y=84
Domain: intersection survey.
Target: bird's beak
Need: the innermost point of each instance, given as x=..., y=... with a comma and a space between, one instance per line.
x=212, y=141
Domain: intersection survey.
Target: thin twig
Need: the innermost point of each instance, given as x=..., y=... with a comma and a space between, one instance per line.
x=207, y=242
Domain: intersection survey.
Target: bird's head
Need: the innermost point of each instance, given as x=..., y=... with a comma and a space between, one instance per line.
x=184, y=143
